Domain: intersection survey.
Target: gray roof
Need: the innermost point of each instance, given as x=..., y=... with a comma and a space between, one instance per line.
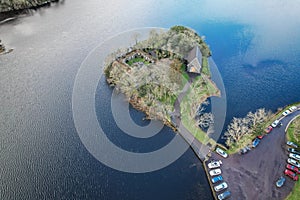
x=194, y=59
x=195, y=53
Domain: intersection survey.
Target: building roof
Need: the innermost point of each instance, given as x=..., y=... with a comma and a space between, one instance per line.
x=195, y=53
x=194, y=59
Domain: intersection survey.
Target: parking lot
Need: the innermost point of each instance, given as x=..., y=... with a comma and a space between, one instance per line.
x=254, y=174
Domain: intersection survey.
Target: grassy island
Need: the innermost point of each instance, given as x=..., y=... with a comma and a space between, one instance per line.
x=166, y=76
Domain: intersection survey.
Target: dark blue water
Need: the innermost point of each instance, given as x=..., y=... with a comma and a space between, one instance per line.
x=256, y=46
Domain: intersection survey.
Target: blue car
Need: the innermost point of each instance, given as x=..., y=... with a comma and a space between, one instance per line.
x=224, y=195
x=255, y=142
x=280, y=182
x=217, y=179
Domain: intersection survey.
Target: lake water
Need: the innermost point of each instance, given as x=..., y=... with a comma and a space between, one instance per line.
x=255, y=46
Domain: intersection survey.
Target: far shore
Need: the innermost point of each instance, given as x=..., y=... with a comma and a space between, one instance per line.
x=12, y=12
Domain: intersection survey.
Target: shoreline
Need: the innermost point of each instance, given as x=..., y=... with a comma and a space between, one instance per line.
x=12, y=14
x=252, y=166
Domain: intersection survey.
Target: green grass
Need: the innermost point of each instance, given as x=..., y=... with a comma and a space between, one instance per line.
x=236, y=147
x=135, y=60
x=290, y=133
x=205, y=67
x=185, y=76
x=188, y=121
x=291, y=136
x=295, y=194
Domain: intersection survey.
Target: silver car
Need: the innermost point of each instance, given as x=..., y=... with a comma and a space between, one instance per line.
x=275, y=123
x=221, y=152
x=293, y=162
x=292, y=144
x=214, y=164
x=221, y=187
x=215, y=172
x=287, y=112
x=293, y=108
x=294, y=156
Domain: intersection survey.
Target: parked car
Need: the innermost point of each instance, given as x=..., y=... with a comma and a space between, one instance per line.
x=275, y=123
x=293, y=108
x=293, y=168
x=217, y=179
x=294, y=156
x=214, y=164
x=224, y=195
x=255, y=142
x=215, y=172
x=221, y=187
x=293, y=151
x=280, y=182
x=292, y=144
x=287, y=112
x=293, y=162
x=243, y=151
x=248, y=148
x=221, y=152
x=268, y=129
x=291, y=174
x=260, y=136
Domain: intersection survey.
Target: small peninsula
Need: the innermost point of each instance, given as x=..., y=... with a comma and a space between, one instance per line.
x=167, y=77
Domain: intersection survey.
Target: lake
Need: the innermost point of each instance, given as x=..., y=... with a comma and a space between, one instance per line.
x=255, y=46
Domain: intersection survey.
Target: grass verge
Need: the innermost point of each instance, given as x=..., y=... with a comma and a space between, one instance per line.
x=294, y=137
x=259, y=130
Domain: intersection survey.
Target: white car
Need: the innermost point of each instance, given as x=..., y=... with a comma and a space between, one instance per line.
x=221, y=152
x=293, y=108
x=215, y=172
x=214, y=164
x=287, y=112
x=221, y=187
x=275, y=123
x=294, y=156
x=293, y=162
x=292, y=144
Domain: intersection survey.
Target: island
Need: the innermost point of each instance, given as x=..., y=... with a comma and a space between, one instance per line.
x=167, y=77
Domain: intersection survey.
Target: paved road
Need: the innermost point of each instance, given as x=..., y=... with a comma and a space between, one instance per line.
x=200, y=149
x=253, y=175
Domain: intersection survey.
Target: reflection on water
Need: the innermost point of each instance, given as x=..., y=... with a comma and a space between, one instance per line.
x=255, y=45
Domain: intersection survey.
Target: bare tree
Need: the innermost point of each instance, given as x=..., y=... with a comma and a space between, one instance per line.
x=205, y=120
x=239, y=127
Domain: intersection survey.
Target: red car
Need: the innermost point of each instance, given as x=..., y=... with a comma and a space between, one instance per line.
x=293, y=168
x=291, y=174
x=269, y=129
x=260, y=136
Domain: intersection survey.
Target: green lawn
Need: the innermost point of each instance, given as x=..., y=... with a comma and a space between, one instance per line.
x=135, y=60
x=205, y=68
x=186, y=119
x=235, y=148
x=294, y=137
x=184, y=73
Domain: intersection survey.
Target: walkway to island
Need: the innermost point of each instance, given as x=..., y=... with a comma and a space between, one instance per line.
x=201, y=150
